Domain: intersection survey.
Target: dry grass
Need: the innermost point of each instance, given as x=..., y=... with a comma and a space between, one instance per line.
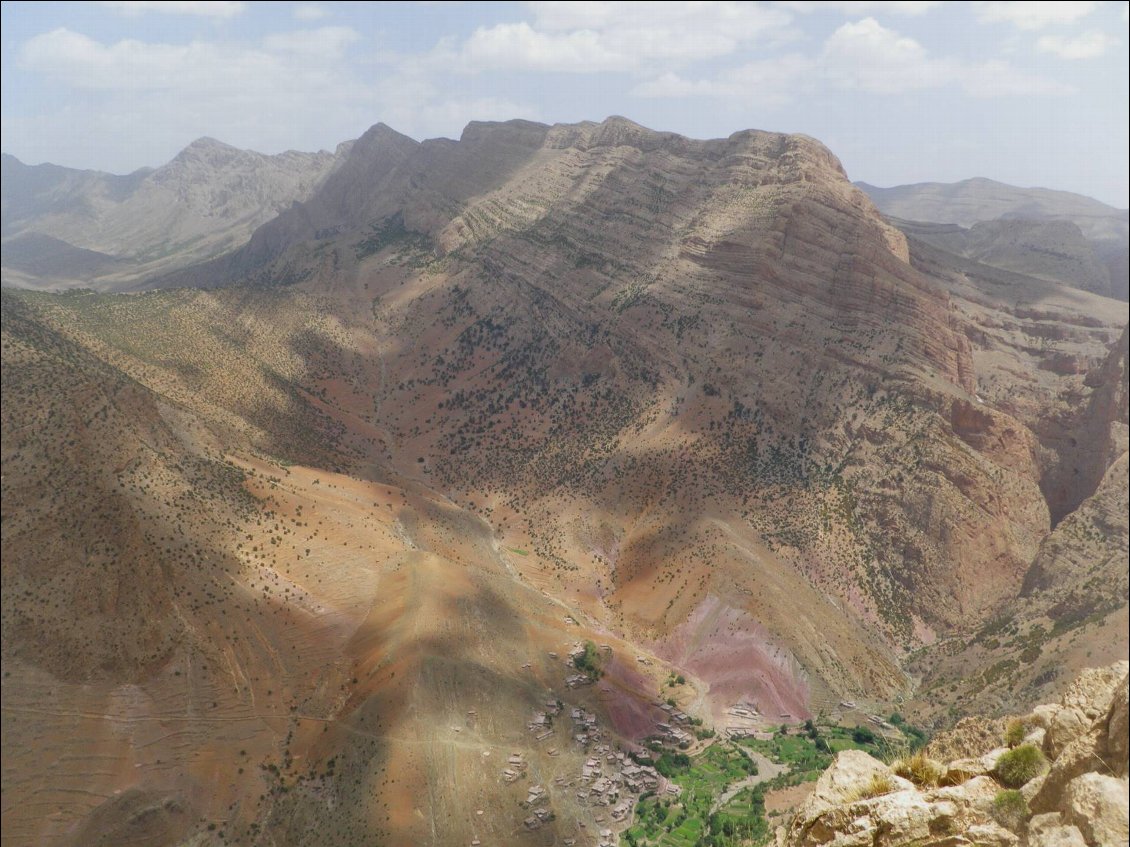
x=919, y=769
x=878, y=785
x=1014, y=732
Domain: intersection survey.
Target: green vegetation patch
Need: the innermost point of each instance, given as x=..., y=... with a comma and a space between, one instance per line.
x=810, y=754
x=589, y=661
x=1010, y=809
x=697, y=816
x=1020, y=765
x=388, y=233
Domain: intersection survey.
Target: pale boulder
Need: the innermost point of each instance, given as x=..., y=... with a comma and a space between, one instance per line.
x=991, y=835
x=848, y=774
x=1049, y=830
x=961, y=770
x=1058, y=836
x=1066, y=725
x=1099, y=807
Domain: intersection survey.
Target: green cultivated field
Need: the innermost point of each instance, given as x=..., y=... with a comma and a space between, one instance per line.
x=697, y=817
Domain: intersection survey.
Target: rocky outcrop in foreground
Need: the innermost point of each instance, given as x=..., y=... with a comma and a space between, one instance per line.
x=1060, y=782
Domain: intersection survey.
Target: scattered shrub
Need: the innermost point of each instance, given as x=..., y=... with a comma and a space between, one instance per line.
x=1010, y=809
x=1020, y=765
x=862, y=735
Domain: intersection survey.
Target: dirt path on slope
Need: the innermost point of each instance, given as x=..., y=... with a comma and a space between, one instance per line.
x=766, y=770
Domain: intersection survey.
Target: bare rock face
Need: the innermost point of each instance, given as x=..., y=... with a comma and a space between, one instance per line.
x=857, y=822
x=852, y=770
x=902, y=815
x=1089, y=697
x=1118, y=732
x=1080, y=737
x=760, y=236
x=1050, y=249
x=968, y=740
x=858, y=801
x=1049, y=830
x=1089, y=441
x=1097, y=805
x=1081, y=801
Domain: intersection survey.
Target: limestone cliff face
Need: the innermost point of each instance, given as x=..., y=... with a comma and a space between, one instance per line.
x=1091, y=436
x=739, y=296
x=756, y=210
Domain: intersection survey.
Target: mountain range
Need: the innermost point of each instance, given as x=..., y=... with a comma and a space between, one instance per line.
x=299, y=538
x=1048, y=234
x=63, y=228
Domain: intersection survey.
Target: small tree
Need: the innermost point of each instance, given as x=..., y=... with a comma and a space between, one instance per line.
x=589, y=661
x=862, y=735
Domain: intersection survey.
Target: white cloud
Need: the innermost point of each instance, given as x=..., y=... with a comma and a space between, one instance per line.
x=1088, y=45
x=129, y=64
x=325, y=41
x=867, y=56
x=196, y=68
x=309, y=12
x=767, y=82
x=864, y=7
x=275, y=94
x=1033, y=14
x=997, y=78
x=520, y=46
x=214, y=9
x=596, y=37
x=863, y=56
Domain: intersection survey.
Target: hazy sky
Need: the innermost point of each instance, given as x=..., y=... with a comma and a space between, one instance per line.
x=1030, y=93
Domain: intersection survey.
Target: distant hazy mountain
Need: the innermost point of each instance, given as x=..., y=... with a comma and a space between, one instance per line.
x=116, y=229
x=972, y=200
x=1036, y=231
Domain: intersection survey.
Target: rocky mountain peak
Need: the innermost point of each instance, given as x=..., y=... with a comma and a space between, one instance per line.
x=521, y=132
x=381, y=133
x=209, y=152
